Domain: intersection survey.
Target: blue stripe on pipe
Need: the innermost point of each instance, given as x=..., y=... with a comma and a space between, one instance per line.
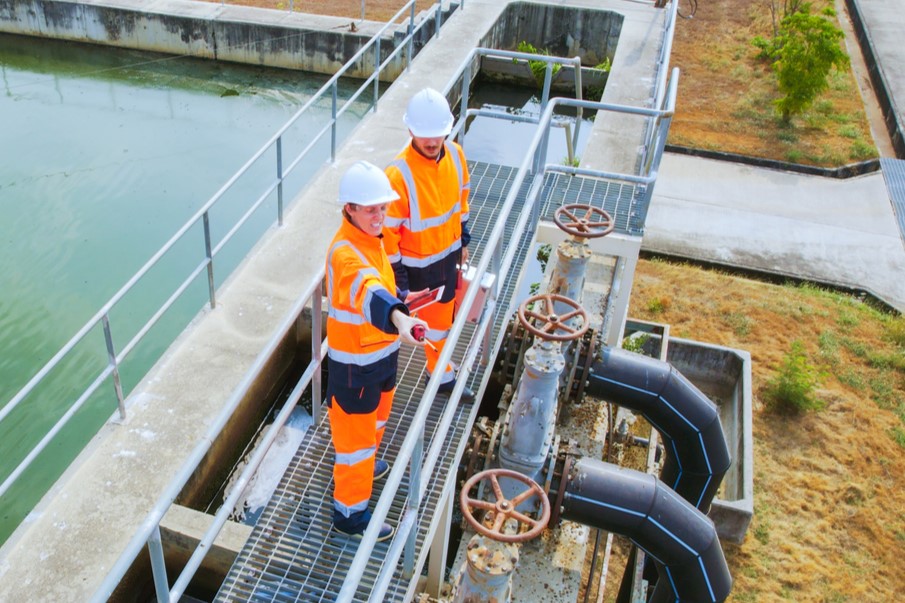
x=607, y=505
x=706, y=578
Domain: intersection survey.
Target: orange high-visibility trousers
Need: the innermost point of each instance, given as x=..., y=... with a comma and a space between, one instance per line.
x=439, y=316
x=356, y=438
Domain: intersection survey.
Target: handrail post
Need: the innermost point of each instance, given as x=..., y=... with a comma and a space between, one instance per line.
x=333, y=128
x=280, y=180
x=376, y=73
x=579, y=93
x=317, y=331
x=414, y=503
x=212, y=292
x=409, y=49
x=496, y=263
x=111, y=356
x=437, y=19
x=463, y=102
x=158, y=566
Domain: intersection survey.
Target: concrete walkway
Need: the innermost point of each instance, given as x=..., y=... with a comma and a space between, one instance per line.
x=839, y=232
x=881, y=25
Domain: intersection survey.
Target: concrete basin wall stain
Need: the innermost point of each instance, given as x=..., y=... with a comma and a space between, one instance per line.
x=204, y=31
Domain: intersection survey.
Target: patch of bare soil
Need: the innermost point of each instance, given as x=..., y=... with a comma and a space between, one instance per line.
x=829, y=520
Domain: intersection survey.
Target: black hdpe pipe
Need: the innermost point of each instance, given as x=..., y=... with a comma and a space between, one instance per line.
x=697, y=456
x=680, y=539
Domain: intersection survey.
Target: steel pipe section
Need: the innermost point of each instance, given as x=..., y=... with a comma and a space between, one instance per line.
x=679, y=538
x=697, y=456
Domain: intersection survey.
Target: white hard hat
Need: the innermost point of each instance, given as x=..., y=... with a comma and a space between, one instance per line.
x=365, y=184
x=428, y=115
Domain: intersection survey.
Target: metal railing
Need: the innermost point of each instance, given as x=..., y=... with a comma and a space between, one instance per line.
x=497, y=258
x=498, y=261
x=283, y=168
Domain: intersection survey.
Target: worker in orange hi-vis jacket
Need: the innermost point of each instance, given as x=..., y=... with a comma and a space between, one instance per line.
x=427, y=228
x=365, y=322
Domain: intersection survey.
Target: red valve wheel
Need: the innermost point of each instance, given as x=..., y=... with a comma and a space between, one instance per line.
x=585, y=227
x=548, y=322
x=503, y=508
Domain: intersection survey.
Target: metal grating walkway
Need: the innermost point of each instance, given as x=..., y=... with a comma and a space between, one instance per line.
x=894, y=175
x=292, y=554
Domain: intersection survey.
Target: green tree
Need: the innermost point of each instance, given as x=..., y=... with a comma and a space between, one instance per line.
x=803, y=52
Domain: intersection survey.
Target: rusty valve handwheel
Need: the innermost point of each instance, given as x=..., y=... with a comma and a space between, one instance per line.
x=503, y=509
x=548, y=321
x=584, y=227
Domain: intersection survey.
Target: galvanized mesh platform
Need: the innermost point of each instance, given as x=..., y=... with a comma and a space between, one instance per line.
x=292, y=554
x=894, y=175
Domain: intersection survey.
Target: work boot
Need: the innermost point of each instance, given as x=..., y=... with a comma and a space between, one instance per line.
x=381, y=469
x=356, y=525
x=467, y=397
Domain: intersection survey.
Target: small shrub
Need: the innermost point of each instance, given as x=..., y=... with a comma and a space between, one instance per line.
x=847, y=319
x=852, y=378
x=895, y=331
x=740, y=323
x=635, y=342
x=898, y=436
x=575, y=162
x=538, y=68
x=829, y=346
x=657, y=305
x=543, y=255
x=861, y=150
x=606, y=65
x=793, y=387
x=794, y=156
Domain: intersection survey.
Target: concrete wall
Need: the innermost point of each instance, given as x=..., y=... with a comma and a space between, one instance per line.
x=206, y=30
x=564, y=31
x=724, y=374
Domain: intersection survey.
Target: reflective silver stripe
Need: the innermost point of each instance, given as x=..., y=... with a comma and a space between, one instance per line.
x=348, y=510
x=392, y=222
x=454, y=155
x=447, y=376
x=344, y=316
x=381, y=424
x=363, y=359
x=395, y=257
x=359, y=278
x=347, y=316
x=464, y=217
x=437, y=334
x=427, y=261
x=369, y=297
x=438, y=220
x=353, y=458
x=415, y=222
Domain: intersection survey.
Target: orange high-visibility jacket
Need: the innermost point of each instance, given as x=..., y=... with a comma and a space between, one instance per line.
x=361, y=287
x=427, y=226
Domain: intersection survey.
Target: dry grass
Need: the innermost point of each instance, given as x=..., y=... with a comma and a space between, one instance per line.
x=726, y=94
x=829, y=520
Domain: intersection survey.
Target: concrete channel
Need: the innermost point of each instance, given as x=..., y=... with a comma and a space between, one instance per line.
x=66, y=547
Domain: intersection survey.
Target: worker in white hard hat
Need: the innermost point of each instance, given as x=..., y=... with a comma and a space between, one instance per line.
x=365, y=321
x=428, y=226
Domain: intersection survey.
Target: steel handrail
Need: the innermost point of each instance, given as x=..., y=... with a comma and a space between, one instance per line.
x=102, y=315
x=414, y=440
